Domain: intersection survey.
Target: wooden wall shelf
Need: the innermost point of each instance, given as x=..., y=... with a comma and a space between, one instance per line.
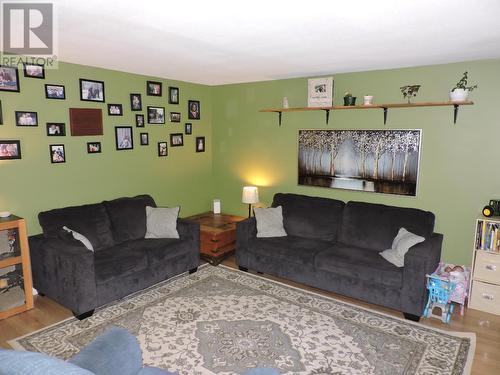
x=384, y=107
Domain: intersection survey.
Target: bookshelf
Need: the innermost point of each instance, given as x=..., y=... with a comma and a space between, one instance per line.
x=485, y=280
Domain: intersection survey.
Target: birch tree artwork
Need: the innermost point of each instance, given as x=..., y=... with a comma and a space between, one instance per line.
x=382, y=161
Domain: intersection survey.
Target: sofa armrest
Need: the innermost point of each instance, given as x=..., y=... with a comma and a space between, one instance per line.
x=245, y=230
x=420, y=260
x=188, y=230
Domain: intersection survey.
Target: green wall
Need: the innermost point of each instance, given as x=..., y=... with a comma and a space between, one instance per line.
x=33, y=184
x=459, y=163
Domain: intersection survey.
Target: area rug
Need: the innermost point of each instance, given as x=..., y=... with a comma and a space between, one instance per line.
x=223, y=321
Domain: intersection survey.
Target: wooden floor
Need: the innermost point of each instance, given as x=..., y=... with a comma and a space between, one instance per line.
x=486, y=326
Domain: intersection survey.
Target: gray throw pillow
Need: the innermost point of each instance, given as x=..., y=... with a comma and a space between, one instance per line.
x=269, y=222
x=161, y=222
x=400, y=246
x=80, y=237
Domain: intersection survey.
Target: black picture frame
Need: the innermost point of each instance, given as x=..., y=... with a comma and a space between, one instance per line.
x=10, y=149
x=139, y=120
x=156, y=115
x=1, y=113
x=26, y=118
x=176, y=139
x=135, y=102
x=94, y=148
x=153, y=88
x=188, y=128
x=115, y=110
x=173, y=95
x=144, y=139
x=9, y=79
x=34, y=70
x=55, y=91
x=175, y=117
x=124, y=139
x=96, y=96
x=194, y=109
x=57, y=154
x=200, y=144
x=56, y=129
x=162, y=149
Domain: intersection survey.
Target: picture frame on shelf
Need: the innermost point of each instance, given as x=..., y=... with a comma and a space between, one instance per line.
x=124, y=138
x=26, y=118
x=153, y=88
x=10, y=149
x=139, y=120
x=175, y=117
x=200, y=144
x=156, y=115
x=57, y=154
x=91, y=90
x=176, y=139
x=56, y=129
x=162, y=149
x=194, y=109
x=173, y=95
x=188, y=128
x=320, y=92
x=115, y=110
x=9, y=79
x=34, y=71
x=55, y=92
x=94, y=148
x=135, y=102
x=144, y=138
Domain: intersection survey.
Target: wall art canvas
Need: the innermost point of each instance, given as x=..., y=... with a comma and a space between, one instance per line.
x=380, y=161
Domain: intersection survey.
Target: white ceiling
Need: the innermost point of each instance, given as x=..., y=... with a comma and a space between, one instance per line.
x=221, y=41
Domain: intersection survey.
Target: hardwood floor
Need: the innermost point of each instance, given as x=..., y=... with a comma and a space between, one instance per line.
x=486, y=326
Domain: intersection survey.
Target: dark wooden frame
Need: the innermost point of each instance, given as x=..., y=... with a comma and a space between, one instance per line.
x=132, y=103
x=12, y=142
x=50, y=154
x=29, y=76
x=150, y=93
x=204, y=144
x=175, y=114
x=170, y=91
x=19, y=112
x=115, y=114
x=137, y=116
x=172, y=135
x=131, y=138
x=166, y=148
x=140, y=139
x=85, y=121
x=190, y=126
x=94, y=152
x=156, y=123
x=190, y=116
x=62, y=126
x=92, y=100
x=47, y=92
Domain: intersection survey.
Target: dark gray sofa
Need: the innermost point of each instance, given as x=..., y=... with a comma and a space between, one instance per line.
x=335, y=246
x=123, y=261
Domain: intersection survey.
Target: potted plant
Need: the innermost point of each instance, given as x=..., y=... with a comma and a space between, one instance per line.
x=349, y=100
x=461, y=90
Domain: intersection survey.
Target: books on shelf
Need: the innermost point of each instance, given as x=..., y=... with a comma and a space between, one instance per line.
x=488, y=235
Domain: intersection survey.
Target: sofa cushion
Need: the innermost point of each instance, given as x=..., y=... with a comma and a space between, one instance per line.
x=159, y=249
x=128, y=216
x=310, y=217
x=359, y=263
x=374, y=226
x=91, y=220
x=118, y=261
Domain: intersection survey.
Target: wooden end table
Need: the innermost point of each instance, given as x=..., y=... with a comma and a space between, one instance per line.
x=217, y=235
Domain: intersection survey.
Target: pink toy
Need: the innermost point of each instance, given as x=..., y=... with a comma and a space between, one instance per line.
x=458, y=276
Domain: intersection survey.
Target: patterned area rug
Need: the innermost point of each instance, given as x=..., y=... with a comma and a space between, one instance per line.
x=223, y=321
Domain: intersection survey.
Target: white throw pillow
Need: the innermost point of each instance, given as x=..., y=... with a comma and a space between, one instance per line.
x=400, y=246
x=80, y=237
x=161, y=222
x=269, y=222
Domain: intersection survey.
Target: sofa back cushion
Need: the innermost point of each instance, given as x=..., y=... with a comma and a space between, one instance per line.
x=128, y=217
x=374, y=226
x=91, y=220
x=310, y=217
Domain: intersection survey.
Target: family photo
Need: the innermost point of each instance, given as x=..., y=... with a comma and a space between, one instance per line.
x=124, y=140
x=173, y=95
x=175, y=117
x=153, y=88
x=93, y=147
x=135, y=102
x=91, y=90
x=34, y=71
x=56, y=129
x=200, y=144
x=57, y=154
x=193, y=109
x=156, y=115
x=115, y=110
x=176, y=139
x=162, y=149
x=55, y=92
x=26, y=118
x=10, y=150
x=9, y=79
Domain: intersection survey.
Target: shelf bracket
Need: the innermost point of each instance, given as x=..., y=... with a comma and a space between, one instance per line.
x=327, y=111
x=455, y=113
x=279, y=118
x=385, y=114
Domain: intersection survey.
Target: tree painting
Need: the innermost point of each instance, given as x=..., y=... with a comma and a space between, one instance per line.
x=383, y=161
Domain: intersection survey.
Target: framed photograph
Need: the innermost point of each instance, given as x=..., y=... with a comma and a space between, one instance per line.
x=176, y=139
x=144, y=139
x=139, y=121
x=135, y=102
x=378, y=161
x=193, y=109
x=124, y=139
x=115, y=110
x=56, y=129
x=153, y=88
x=1, y=113
x=162, y=149
x=26, y=118
x=57, y=154
x=156, y=115
x=173, y=95
x=91, y=91
x=200, y=144
x=55, y=92
x=93, y=147
x=175, y=117
x=10, y=149
x=9, y=78
x=34, y=70
x=188, y=128
x=320, y=92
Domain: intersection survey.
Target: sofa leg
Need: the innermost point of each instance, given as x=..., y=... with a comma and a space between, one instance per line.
x=85, y=315
x=193, y=270
x=260, y=273
x=244, y=269
x=414, y=318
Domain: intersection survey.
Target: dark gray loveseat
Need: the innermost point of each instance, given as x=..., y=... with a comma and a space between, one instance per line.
x=335, y=246
x=123, y=261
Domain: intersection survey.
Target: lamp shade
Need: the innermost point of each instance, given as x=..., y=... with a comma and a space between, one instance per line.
x=250, y=194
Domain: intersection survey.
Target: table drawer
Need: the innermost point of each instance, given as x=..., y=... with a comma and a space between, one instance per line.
x=485, y=297
x=212, y=241
x=487, y=267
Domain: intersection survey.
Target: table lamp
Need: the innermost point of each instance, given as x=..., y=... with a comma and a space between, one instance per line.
x=250, y=196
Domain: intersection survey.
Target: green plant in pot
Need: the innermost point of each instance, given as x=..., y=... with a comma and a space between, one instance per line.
x=349, y=99
x=462, y=89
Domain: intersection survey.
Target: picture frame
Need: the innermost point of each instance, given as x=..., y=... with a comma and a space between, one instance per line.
x=115, y=110
x=176, y=139
x=153, y=88
x=194, y=109
x=173, y=95
x=55, y=92
x=56, y=129
x=9, y=79
x=175, y=117
x=26, y=118
x=1, y=113
x=139, y=120
x=94, y=148
x=200, y=144
x=57, y=154
x=144, y=139
x=10, y=149
x=124, y=138
x=320, y=92
x=135, y=102
x=91, y=90
x=162, y=149
x=188, y=128
x=34, y=70
x=156, y=115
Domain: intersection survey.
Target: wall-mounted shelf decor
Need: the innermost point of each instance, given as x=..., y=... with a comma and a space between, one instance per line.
x=384, y=107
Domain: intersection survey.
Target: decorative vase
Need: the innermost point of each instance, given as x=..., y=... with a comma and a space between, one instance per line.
x=459, y=95
x=349, y=100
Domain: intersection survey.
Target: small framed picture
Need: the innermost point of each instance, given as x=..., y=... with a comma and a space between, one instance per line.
x=200, y=144
x=139, y=121
x=57, y=154
x=9, y=78
x=156, y=115
x=10, y=149
x=91, y=91
x=124, y=139
x=135, y=102
x=153, y=88
x=1, y=113
x=173, y=95
x=162, y=149
x=144, y=139
x=26, y=118
x=93, y=147
x=193, y=109
x=34, y=71
x=115, y=110
x=176, y=139
x=55, y=92
x=188, y=128
x=175, y=117
x=56, y=129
